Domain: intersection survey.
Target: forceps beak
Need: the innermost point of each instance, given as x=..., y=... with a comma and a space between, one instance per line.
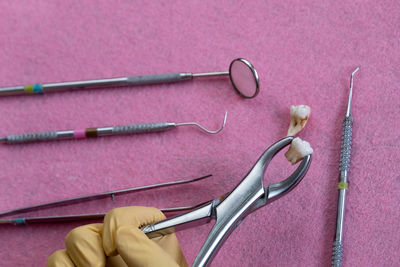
x=277, y=190
x=248, y=195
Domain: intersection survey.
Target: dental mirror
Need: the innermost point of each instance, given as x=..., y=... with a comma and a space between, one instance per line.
x=244, y=78
x=242, y=74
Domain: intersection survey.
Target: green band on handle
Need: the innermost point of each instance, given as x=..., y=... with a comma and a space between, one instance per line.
x=343, y=185
x=28, y=89
x=36, y=88
x=19, y=221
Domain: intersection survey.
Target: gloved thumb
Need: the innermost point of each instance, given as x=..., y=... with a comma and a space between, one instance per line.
x=136, y=249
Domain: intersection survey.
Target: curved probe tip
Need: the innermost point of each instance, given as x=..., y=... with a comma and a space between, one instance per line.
x=348, y=112
x=352, y=74
x=216, y=131
x=203, y=128
x=222, y=126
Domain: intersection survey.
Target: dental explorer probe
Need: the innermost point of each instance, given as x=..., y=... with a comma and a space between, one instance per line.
x=344, y=167
x=103, y=131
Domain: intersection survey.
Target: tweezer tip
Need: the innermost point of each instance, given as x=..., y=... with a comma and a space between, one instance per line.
x=201, y=178
x=3, y=139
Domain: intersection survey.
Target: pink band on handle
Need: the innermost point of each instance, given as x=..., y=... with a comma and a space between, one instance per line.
x=79, y=134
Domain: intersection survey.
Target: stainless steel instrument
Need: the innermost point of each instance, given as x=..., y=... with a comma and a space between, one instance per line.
x=344, y=167
x=242, y=74
x=230, y=209
x=102, y=131
x=90, y=216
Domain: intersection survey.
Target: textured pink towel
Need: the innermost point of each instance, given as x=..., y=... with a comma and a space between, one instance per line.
x=304, y=52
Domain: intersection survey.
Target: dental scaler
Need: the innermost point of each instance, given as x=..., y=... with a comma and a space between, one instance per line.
x=344, y=167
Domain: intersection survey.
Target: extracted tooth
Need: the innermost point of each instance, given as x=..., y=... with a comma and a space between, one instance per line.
x=298, y=118
x=298, y=150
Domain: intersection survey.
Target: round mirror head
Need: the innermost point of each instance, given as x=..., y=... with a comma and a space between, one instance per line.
x=244, y=78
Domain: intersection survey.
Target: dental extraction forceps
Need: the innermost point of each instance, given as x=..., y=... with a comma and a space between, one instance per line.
x=230, y=210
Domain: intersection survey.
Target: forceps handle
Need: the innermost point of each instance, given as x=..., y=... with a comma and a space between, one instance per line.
x=187, y=220
x=38, y=88
x=219, y=233
x=88, y=132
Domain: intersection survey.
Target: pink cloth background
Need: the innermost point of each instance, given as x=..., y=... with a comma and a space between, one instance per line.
x=304, y=52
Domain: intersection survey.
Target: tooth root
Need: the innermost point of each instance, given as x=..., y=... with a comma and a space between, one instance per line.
x=298, y=118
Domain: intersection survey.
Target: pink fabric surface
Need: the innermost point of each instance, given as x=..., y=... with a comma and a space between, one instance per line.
x=304, y=52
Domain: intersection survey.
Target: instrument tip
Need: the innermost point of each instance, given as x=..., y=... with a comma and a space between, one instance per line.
x=204, y=129
x=348, y=113
x=3, y=139
x=352, y=74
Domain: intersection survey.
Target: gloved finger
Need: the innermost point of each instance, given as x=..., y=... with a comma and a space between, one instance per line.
x=134, y=216
x=169, y=243
x=136, y=249
x=137, y=217
x=115, y=261
x=60, y=258
x=85, y=245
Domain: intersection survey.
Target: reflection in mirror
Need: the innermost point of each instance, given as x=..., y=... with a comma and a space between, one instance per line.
x=244, y=78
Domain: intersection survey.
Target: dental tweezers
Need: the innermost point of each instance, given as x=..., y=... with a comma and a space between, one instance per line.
x=93, y=216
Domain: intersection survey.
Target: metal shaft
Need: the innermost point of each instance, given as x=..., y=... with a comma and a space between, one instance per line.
x=103, y=131
x=96, y=196
x=345, y=151
x=88, y=132
x=210, y=74
x=38, y=88
x=84, y=217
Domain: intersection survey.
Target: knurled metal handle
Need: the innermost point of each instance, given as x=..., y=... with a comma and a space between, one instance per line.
x=337, y=254
x=31, y=137
x=143, y=128
x=346, y=143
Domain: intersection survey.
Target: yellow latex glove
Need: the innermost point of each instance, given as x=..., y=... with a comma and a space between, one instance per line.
x=119, y=242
